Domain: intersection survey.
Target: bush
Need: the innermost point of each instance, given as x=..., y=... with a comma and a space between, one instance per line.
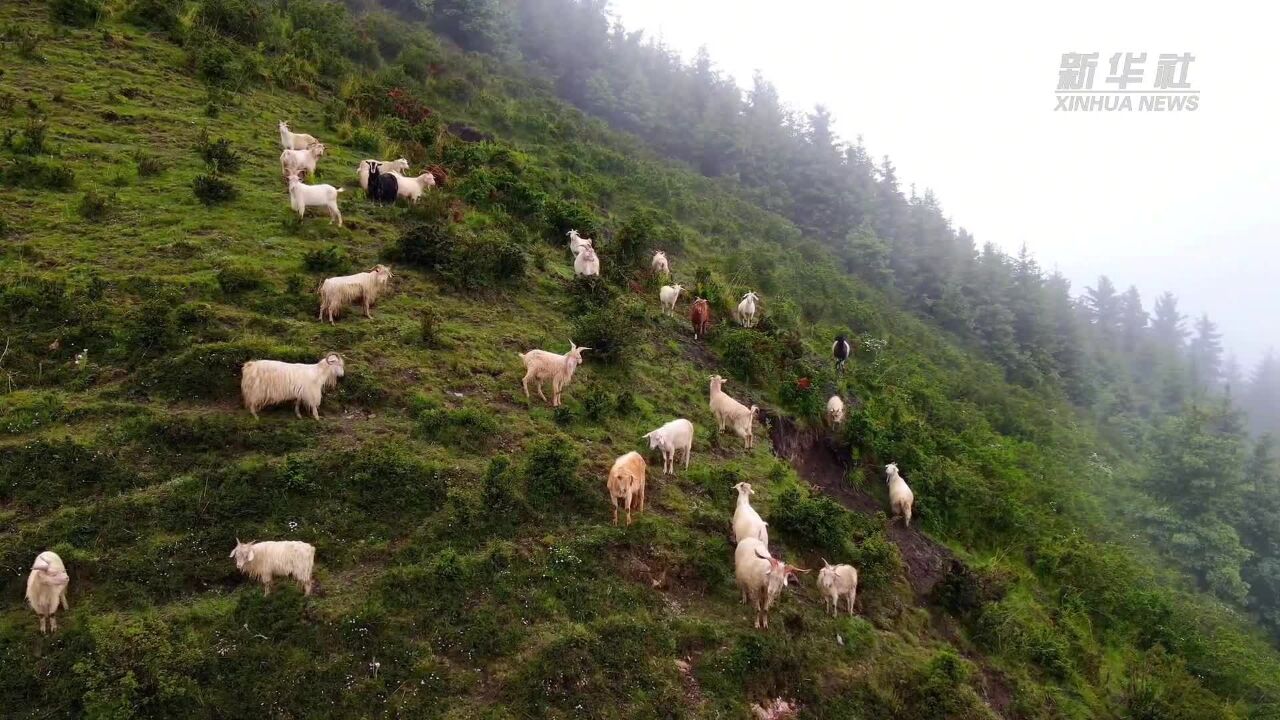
x=36, y=174
x=218, y=155
x=80, y=13
x=498, y=493
x=465, y=261
x=429, y=326
x=551, y=473
x=468, y=428
x=332, y=259
x=211, y=189
x=366, y=139
x=426, y=245
x=147, y=165
x=589, y=292
x=608, y=331
x=33, y=137
x=95, y=205
x=565, y=215
x=235, y=279
x=154, y=14
x=242, y=20
x=815, y=521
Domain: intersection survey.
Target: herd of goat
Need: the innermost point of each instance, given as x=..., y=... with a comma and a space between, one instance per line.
x=759, y=574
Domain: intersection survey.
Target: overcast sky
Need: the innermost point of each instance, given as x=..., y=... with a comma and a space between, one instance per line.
x=962, y=99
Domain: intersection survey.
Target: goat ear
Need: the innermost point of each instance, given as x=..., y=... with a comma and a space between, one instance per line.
x=40, y=564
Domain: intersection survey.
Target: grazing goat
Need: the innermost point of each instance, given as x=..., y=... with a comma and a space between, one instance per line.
x=835, y=410
x=747, y=523
x=760, y=577
x=626, y=481
x=587, y=262
x=265, y=561
x=362, y=170
x=383, y=187
x=731, y=414
x=660, y=264
x=47, y=589
x=541, y=365
x=267, y=382
x=303, y=196
x=700, y=317
x=339, y=292
x=840, y=350
x=671, y=438
x=668, y=296
x=411, y=188
x=835, y=582
x=294, y=141
x=577, y=242
x=747, y=310
x=900, y=496
x=301, y=162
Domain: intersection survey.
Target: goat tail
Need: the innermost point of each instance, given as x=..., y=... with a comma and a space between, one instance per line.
x=342, y=189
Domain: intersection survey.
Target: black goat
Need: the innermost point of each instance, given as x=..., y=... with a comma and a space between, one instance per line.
x=383, y=187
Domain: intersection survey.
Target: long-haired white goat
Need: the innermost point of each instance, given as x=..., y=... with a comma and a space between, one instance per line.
x=265, y=561
x=267, y=382
x=294, y=141
x=587, y=262
x=541, y=366
x=761, y=577
x=301, y=162
x=731, y=413
x=835, y=582
x=338, y=292
x=577, y=242
x=900, y=496
x=47, y=588
x=303, y=196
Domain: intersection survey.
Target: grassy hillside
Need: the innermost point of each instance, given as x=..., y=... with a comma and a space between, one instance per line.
x=467, y=567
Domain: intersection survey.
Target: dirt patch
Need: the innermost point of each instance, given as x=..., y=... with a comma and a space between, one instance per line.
x=824, y=465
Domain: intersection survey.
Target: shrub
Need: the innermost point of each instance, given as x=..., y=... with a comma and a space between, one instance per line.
x=147, y=165
x=4, y=227
x=242, y=20
x=551, y=472
x=95, y=205
x=427, y=244
x=589, y=292
x=366, y=139
x=154, y=14
x=332, y=259
x=218, y=155
x=235, y=279
x=499, y=493
x=80, y=13
x=429, y=326
x=465, y=261
x=36, y=174
x=468, y=428
x=211, y=189
x=33, y=137
x=608, y=331
x=815, y=521
x=565, y=215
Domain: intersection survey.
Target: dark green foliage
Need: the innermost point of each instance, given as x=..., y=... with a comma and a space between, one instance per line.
x=218, y=155
x=95, y=205
x=588, y=293
x=551, y=473
x=564, y=215
x=814, y=521
x=468, y=428
x=240, y=20
x=331, y=259
x=609, y=331
x=429, y=326
x=466, y=260
x=162, y=15
x=34, y=135
x=235, y=279
x=81, y=13
x=37, y=174
x=500, y=494
x=366, y=139
x=43, y=474
x=212, y=189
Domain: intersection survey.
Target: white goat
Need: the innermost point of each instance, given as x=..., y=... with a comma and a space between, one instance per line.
x=659, y=263
x=339, y=292
x=300, y=162
x=835, y=582
x=668, y=296
x=671, y=438
x=541, y=365
x=747, y=523
x=577, y=242
x=760, y=576
x=294, y=141
x=267, y=382
x=265, y=561
x=731, y=413
x=835, y=410
x=900, y=496
x=587, y=262
x=47, y=588
x=747, y=309
x=626, y=482
x=412, y=188
x=303, y=196
x=396, y=166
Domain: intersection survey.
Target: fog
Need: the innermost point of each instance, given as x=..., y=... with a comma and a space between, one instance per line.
x=963, y=101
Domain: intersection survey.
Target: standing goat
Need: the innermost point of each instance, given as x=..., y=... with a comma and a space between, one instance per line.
x=382, y=187
x=660, y=264
x=339, y=292
x=840, y=350
x=294, y=141
x=731, y=413
x=587, y=262
x=362, y=170
x=761, y=577
x=900, y=496
x=47, y=589
x=303, y=196
x=626, y=482
x=747, y=523
x=835, y=410
x=700, y=317
x=541, y=365
x=668, y=296
x=265, y=561
x=577, y=242
x=411, y=188
x=267, y=382
x=301, y=162
x=747, y=309
x=835, y=582
x=671, y=438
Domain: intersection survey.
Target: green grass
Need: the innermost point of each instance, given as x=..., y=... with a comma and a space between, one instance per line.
x=141, y=469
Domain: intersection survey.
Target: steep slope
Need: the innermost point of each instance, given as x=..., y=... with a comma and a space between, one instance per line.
x=467, y=567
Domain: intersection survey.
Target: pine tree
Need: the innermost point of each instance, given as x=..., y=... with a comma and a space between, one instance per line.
x=1167, y=324
x=1206, y=354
